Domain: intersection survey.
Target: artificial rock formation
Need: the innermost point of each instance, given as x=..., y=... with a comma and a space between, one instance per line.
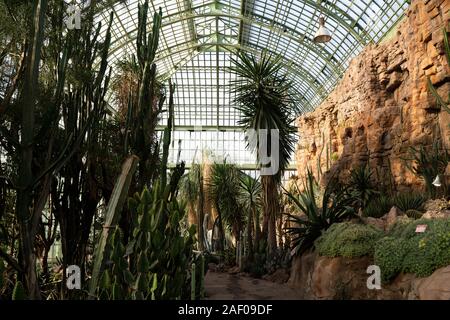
x=382, y=106
x=323, y=278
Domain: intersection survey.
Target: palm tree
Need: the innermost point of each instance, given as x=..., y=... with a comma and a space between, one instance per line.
x=224, y=189
x=250, y=199
x=264, y=98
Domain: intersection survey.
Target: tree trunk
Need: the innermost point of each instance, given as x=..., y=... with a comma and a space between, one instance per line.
x=221, y=231
x=280, y=229
x=250, y=234
x=270, y=202
x=257, y=232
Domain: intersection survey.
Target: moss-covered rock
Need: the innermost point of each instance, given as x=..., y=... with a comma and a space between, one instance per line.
x=348, y=240
x=404, y=250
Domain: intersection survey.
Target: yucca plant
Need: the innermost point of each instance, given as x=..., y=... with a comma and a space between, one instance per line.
x=336, y=206
x=224, y=189
x=361, y=185
x=265, y=100
x=250, y=200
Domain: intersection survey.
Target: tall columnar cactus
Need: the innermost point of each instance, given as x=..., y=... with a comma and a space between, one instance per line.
x=440, y=100
x=167, y=135
x=144, y=105
x=25, y=179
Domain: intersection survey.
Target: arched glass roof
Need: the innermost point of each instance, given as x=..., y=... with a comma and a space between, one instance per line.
x=199, y=37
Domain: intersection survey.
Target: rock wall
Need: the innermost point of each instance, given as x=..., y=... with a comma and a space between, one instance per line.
x=382, y=106
x=323, y=278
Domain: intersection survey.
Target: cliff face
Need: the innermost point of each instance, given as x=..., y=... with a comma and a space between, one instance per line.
x=382, y=106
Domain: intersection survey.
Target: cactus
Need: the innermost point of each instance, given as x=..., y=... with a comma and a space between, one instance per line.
x=142, y=116
x=193, y=283
x=167, y=135
x=19, y=292
x=25, y=178
x=319, y=159
x=202, y=276
x=158, y=255
x=440, y=101
x=2, y=277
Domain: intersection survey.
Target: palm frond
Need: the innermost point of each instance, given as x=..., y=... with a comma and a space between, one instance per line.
x=265, y=99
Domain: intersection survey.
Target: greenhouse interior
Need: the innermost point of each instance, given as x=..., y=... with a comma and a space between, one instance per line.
x=224, y=150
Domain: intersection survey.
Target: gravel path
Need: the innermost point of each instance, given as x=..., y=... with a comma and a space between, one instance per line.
x=224, y=286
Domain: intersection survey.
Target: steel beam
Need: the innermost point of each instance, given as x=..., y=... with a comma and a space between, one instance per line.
x=262, y=22
x=243, y=166
x=305, y=75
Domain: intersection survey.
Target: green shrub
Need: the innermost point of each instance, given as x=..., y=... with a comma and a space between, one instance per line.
x=378, y=207
x=399, y=226
x=348, y=240
x=409, y=201
x=389, y=256
x=404, y=250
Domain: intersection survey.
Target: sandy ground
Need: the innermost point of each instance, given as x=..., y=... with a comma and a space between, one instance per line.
x=224, y=286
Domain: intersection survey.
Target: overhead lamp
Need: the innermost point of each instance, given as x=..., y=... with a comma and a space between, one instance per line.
x=437, y=182
x=322, y=35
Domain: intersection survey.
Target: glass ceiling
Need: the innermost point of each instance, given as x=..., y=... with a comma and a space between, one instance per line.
x=199, y=37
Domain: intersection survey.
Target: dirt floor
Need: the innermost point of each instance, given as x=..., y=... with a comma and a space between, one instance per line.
x=225, y=286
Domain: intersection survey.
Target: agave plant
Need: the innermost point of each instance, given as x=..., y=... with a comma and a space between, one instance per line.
x=428, y=163
x=265, y=100
x=409, y=201
x=378, y=207
x=361, y=185
x=336, y=206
